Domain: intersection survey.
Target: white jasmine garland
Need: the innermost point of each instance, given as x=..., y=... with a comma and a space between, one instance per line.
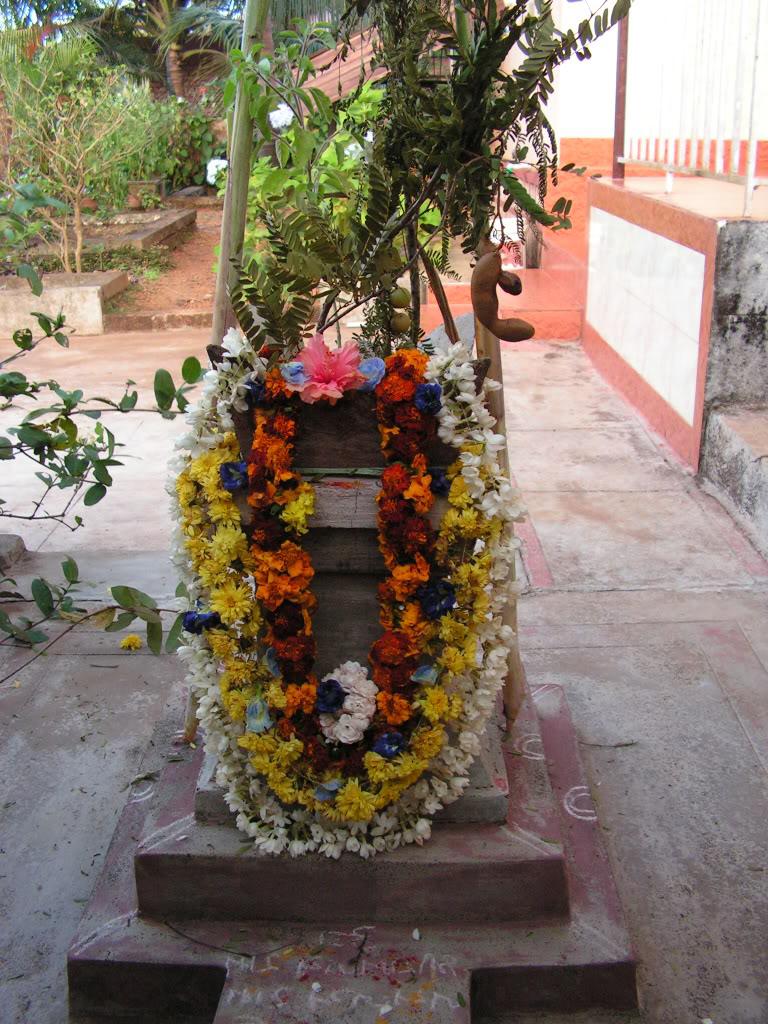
x=462, y=420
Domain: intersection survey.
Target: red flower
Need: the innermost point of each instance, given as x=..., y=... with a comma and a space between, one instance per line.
x=395, y=479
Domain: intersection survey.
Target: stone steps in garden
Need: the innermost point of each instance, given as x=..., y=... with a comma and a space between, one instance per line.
x=735, y=461
x=116, y=323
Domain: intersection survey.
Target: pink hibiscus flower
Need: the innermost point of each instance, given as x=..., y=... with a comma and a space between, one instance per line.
x=329, y=372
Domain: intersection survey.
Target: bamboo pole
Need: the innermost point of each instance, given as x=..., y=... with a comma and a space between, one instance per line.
x=488, y=347
x=255, y=18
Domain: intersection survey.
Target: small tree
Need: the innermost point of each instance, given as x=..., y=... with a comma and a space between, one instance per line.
x=68, y=125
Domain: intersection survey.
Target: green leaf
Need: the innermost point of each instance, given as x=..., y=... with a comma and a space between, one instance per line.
x=191, y=370
x=45, y=322
x=181, y=590
x=165, y=389
x=155, y=637
x=129, y=597
x=147, y=614
x=23, y=339
x=29, y=273
x=6, y=449
x=128, y=401
x=101, y=473
x=123, y=619
x=228, y=93
x=94, y=494
x=43, y=597
x=173, y=640
x=303, y=145
x=70, y=570
x=31, y=636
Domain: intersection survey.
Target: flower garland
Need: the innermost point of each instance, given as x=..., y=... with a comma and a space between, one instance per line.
x=350, y=761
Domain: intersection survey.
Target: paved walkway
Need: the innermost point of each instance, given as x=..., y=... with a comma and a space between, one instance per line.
x=642, y=599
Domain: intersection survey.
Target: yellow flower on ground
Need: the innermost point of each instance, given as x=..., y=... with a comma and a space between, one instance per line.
x=132, y=642
x=354, y=803
x=232, y=601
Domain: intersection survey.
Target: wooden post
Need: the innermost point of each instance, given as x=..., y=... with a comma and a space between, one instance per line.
x=236, y=196
x=620, y=113
x=488, y=347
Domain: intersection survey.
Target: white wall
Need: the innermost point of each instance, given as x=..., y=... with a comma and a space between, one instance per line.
x=644, y=296
x=583, y=104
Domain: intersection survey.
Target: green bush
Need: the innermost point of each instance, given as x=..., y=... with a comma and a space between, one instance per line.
x=179, y=142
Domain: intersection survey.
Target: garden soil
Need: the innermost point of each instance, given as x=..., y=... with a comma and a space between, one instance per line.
x=189, y=286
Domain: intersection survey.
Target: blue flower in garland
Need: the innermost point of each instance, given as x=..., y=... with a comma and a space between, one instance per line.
x=373, y=369
x=330, y=696
x=257, y=717
x=255, y=391
x=440, y=485
x=429, y=398
x=196, y=622
x=436, y=598
x=389, y=744
x=294, y=374
x=234, y=476
x=327, y=790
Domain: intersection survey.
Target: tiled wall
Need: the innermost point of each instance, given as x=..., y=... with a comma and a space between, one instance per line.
x=644, y=298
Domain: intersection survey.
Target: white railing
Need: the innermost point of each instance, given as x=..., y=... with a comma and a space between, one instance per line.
x=697, y=88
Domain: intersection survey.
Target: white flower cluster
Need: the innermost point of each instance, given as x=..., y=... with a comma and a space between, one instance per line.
x=359, y=707
x=274, y=828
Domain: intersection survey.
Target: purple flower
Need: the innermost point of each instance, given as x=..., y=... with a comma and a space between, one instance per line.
x=436, y=597
x=294, y=374
x=373, y=370
x=196, y=622
x=429, y=398
x=389, y=744
x=440, y=485
x=234, y=476
x=330, y=696
x=255, y=391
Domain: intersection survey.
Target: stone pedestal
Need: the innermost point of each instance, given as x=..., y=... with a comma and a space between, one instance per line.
x=188, y=923
x=483, y=802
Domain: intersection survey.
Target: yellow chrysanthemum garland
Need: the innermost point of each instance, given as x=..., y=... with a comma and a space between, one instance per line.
x=473, y=655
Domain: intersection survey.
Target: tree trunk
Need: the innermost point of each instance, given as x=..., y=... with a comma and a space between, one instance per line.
x=79, y=233
x=174, y=72
x=64, y=244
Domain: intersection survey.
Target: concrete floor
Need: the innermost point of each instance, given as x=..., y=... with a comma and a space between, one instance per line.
x=642, y=599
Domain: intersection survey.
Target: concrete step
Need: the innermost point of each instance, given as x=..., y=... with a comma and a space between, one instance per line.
x=191, y=862
x=152, y=320
x=735, y=461
x=126, y=966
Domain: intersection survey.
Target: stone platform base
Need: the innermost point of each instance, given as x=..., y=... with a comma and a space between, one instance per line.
x=476, y=923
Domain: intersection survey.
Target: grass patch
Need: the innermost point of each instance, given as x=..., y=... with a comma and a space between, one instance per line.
x=148, y=263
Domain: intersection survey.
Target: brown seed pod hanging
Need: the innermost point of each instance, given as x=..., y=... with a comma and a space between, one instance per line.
x=486, y=277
